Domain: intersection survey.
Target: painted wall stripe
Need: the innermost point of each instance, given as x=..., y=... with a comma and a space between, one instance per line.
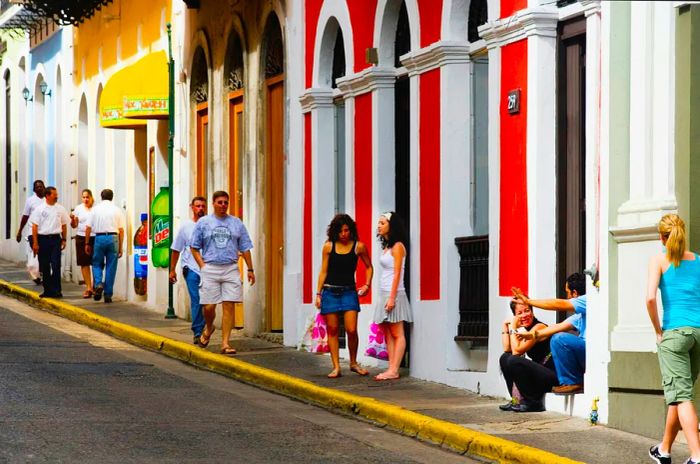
x=363, y=179
x=307, y=286
x=513, y=244
x=429, y=185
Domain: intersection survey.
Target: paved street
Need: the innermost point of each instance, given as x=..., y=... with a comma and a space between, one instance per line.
x=70, y=394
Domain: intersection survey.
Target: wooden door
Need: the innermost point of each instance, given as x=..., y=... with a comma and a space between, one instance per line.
x=202, y=147
x=571, y=148
x=235, y=185
x=274, y=201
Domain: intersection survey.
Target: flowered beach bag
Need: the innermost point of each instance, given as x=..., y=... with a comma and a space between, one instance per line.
x=376, y=346
x=319, y=335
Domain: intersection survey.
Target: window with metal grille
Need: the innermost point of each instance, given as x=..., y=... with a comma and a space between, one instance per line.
x=473, y=290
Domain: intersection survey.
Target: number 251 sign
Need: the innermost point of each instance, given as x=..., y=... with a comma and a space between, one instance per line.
x=513, y=102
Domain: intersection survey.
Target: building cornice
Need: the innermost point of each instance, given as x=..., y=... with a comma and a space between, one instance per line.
x=590, y=7
x=538, y=21
x=640, y=233
x=436, y=55
x=315, y=98
x=367, y=80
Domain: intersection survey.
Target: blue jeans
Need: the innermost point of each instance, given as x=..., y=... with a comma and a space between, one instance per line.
x=192, y=280
x=105, y=252
x=569, y=354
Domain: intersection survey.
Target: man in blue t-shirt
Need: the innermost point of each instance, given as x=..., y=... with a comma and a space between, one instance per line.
x=217, y=241
x=190, y=269
x=568, y=350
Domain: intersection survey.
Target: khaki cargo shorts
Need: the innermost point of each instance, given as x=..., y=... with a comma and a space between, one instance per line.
x=679, y=360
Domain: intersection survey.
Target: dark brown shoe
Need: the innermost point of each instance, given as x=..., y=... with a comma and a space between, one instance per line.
x=568, y=389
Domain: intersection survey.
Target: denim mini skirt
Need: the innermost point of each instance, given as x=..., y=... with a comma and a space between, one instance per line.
x=335, y=299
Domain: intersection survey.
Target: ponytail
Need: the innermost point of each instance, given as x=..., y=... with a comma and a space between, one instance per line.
x=672, y=228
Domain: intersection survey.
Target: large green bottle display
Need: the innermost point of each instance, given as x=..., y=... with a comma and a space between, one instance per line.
x=161, y=233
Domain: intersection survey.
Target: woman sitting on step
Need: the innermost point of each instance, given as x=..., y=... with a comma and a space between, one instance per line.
x=532, y=376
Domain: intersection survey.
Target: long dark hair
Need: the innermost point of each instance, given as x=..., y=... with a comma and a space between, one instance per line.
x=397, y=231
x=337, y=223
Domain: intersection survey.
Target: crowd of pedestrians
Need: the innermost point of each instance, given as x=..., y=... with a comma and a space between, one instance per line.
x=537, y=357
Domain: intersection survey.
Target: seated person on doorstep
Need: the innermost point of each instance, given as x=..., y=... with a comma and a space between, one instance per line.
x=568, y=350
x=533, y=375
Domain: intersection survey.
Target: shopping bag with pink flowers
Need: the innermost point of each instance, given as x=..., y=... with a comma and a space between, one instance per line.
x=319, y=336
x=376, y=346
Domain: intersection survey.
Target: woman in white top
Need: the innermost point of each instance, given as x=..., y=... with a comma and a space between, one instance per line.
x=393, y=308
x=78, y=220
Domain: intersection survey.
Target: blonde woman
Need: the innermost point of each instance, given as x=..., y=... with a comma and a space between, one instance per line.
x=78, y=220
x=676, y=273
x=393, y=308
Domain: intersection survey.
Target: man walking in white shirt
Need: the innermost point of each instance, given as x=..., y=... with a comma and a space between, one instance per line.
x=29, y=206
x=190, y=268
x=49, y=228
x=107, y=224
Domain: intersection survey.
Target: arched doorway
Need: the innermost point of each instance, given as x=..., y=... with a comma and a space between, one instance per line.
x=234, y=71
x=100, y=158
x=8, y=155
x=82, y=160
x=339, y=171
x=39, y=133
x=273, y=93
x=199, y=97
x=402, y=129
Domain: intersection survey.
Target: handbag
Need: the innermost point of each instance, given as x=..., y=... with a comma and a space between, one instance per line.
x=376, y=345
x=305, y=342
x=319, y=335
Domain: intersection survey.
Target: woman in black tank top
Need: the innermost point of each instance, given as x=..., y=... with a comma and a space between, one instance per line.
x=337, y=294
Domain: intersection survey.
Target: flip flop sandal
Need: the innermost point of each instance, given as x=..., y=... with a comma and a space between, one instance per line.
x=358, y=370
x=228, y=351
x=204, y=339
x=87, y=294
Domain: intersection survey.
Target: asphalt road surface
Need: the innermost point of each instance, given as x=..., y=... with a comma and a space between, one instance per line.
x=70, y=394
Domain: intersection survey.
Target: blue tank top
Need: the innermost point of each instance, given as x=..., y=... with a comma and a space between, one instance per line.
x=680, y=293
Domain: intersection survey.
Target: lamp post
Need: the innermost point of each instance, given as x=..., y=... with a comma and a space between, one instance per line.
x=171, y=141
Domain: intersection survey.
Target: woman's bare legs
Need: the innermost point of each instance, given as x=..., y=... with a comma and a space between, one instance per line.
x=332, y=322
x=87, y=276
x=673, y=426
x=350, y=320
x=688, y=419
x=396, y=346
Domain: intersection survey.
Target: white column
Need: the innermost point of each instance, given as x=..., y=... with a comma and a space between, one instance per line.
x=641, y=101
x=319, y=101
x=541, y=158
x=652, y=97
x=597, y=354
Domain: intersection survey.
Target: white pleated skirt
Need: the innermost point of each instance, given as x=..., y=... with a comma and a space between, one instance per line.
x=401, y=312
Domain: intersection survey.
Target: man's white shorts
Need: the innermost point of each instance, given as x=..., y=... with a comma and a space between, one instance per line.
x=220, y=282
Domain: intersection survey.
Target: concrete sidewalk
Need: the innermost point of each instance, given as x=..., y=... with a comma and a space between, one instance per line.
x=455, y=418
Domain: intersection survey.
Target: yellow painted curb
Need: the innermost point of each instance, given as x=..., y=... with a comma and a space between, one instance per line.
x=461, y=439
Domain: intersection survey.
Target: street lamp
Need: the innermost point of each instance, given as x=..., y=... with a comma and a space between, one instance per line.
x=45, y=89
x=27, y=95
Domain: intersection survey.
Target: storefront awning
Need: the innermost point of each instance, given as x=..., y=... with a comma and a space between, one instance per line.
x=136, y=93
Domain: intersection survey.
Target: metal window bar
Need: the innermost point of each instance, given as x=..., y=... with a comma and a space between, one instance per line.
x=473, y=290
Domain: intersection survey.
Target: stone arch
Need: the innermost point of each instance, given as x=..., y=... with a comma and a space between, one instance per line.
x=83, y=181
x=272, y=48
x=99, y=158
x=234, y=61
x=199, y=76
x=334, y=19
x=385, y=28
